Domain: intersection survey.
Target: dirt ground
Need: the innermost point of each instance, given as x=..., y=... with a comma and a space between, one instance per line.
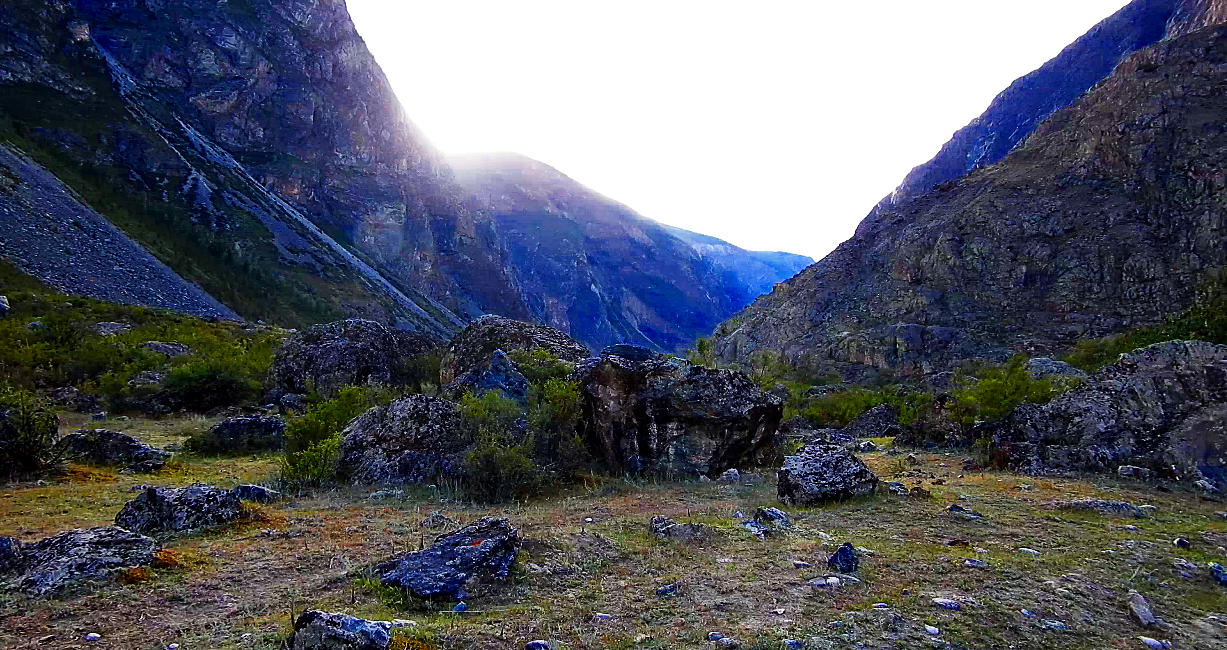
x=587, y=551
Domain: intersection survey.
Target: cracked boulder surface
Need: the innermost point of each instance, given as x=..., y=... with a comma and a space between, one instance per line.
x=351, y=352
x=486, y=548
x=71, y=558
x=160, y=510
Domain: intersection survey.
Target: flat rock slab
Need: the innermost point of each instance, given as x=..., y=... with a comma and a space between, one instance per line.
x=70, y=558
x=318, y=630
x=1110, y=508
x=487, y=547
x=163, y=510
x=107, y=447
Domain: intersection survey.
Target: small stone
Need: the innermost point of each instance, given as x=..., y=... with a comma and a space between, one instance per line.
x=1131, y=528
x=1181, y=542
x=460, y=607
x=845, y=559
x=173, y=646
x=537, y=645
x=932, y=630
x=729, y=642
x=957, y=542
x=1148, y=510
x=1221, y=515
x=799, y=564
x=1155, y=643
x=1218, y=573
x=982, y=551
x=1139, y=610
x=667, y=590
x=602, y=617
x=730, y=476
x=975, y=564
x=93, y=637
x=881, y=606
x=1028, y=551
x=793, y=644
x=832, y=581
x=963, y=513
x=946, y=603
x=588, y=520
x=714, y=636
x=1028, y=613
x=1055, y=625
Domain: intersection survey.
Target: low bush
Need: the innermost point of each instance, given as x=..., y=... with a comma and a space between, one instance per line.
x=419, y=373
x=997, y=391
x=313, y=441
x=29, y=433
x=540, y=366
x=204, y=385
x=837, y=410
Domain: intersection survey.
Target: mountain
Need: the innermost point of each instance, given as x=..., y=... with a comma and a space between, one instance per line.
x=256, y=149
x=598, y=270
x=1019, y=109
x=1106, y=218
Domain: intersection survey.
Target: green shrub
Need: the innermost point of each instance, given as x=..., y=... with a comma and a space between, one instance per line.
x=999, y=390
x=500, y=467
x=29, y=431
x=540, y=366
x=313, y=441
x=419, y=373
x=554, y=412
x=204, y=385
x=837, y=410
x=703, y=354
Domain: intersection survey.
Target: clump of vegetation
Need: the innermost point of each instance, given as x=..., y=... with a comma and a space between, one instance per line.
x=48, y=340
x=313, y=441
x=540, y=366
x=1205, y=320
x=837, y=410
x=29, y=433
x=419, y=373
x=997, y=391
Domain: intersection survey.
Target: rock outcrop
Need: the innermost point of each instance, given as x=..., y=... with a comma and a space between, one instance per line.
x=106, y=447
x=478, y=341
x=411, y=440
x=1104, y=219
x=351, y=352
x=486, y=548
x=823, y=472
x=319, y=630
x=244, y=434
x=662, y=414
x=167, y=510
x=1162, y=407
x=49, y=566
x=498, y=373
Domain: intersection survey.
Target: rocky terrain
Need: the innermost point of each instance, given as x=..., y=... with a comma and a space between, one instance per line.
x=599, y=271
x=1107, y=218
x=255, y=147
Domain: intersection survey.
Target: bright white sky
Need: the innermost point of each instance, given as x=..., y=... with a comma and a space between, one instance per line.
x=773, y=125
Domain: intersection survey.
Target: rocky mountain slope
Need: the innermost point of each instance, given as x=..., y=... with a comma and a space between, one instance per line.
x=1106, y=218
x=1019, y=109
x=599, y=271
x=256, y=148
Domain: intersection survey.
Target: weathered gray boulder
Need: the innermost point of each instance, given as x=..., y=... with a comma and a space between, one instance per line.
x=1041, y=368
x=164, y=510
x=474, y=345
x=257, y=493
x=486, y=548
x=244, y=434
x=319, y=630
x=1162, y=407
x=72, y=398
x=411, y=440
x=170, y=349
x=881, y=421
x=48, y=566
x=662, y=414
x=498, y=373
x=351, y=352
x=823, y=472
x=667, y=529
x=107, y=447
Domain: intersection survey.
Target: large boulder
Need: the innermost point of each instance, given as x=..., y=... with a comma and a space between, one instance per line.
x=881, y=421
x=319, y=630
x=651, y=412
x=70, y=558
x=477, y=342
x=411, y=440
x=245, y=434
x=107, y=447
x=498, y=373
x=1162, y=407
x=486, y=548
x=351, y=352
x=823, y=472
x=165, y=510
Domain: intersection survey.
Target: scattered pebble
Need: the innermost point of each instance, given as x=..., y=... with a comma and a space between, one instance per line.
x=881, y=606
x=932, y=630
x=1181, y=542
x=975, y=564
x=602, y=617
x=793, y=644
x=537, y=645
x=1131, y=528
x=1028, y=551
x=173, y=646
x=460, y=607
x=588, y=520
x=1155, y=643
x=1028, y=613
x=1139, y=610
x=1055, y=625
x=982, y=551
x=1218, y=573
x=946, y=603
x=799, y=564
x=667, y=590
x=714, y=636
x=778, y=612
x=93, y=637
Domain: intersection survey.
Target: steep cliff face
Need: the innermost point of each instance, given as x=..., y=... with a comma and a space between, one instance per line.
x=1106, y=218
x=1019, y=109
x=597, y=270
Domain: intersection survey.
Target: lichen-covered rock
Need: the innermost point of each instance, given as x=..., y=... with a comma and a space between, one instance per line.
x=257, y=493
x=1040, y=368
x=164, y=510
x=170, y=349
x=823, y=472
x=107, y=447
x=881, y=421
x=245, y=434
x=411, y=440
x=473, y=346
x=319, y=630
x=48, y=566
x=70, y=397
x=1111, y=508
x=498, y=373
x=487, y=548
x=352, y=352
x=1162, y=407
x=662, y=414
x=10, y=554
x=667, y=529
